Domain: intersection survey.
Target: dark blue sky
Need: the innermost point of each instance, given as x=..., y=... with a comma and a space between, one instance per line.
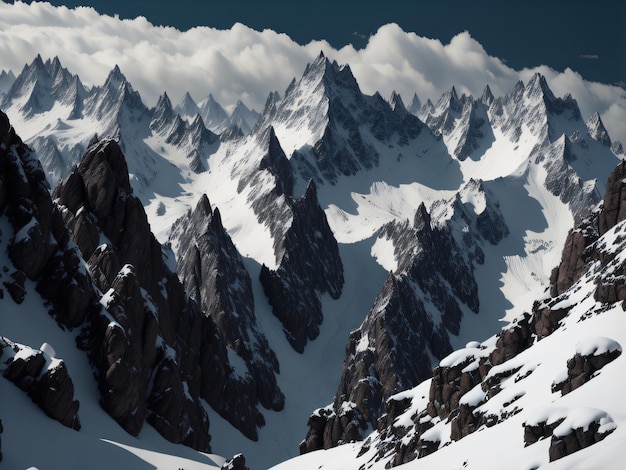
x=558, y=33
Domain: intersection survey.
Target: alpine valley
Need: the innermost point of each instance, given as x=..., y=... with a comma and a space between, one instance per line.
x=363, y=282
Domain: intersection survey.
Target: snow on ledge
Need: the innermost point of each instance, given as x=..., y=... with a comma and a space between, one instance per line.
x=581, y=418
x=596, y=345
x=458, y=357
x=48, y=349
x=546, y=414
x=474, y=397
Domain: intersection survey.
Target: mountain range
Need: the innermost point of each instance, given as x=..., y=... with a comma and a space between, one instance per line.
x=404, y=281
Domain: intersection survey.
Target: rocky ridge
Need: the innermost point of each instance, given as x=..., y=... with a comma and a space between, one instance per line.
x=150, y=343
x=419, y=306
x=466, y=380
x=213, y=274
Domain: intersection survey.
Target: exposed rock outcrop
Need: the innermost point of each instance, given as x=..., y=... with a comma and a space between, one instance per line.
x=155, y=354
x=582, y=247
x=238, y=462
x=39, y=248
x=569, y=430
x=43, y=377
x=562, y=445
x=591, y=356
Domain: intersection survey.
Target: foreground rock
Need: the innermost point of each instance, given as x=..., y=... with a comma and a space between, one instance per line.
x=43, y=377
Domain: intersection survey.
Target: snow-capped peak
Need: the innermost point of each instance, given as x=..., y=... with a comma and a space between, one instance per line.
x=163, y=115
x=396, y=103
x=32, y=74
x=487, y=97
x=187, y=107
x=6, y=80
x=115, y=80
x=212, y=113
x=537, y=88
x=415, y=105
x=449, y=100
x=242, y=117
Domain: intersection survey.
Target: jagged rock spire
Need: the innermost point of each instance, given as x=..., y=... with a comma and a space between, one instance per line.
x=597, y=131
x=396, y=103
x=487, y=97
x=415, y=106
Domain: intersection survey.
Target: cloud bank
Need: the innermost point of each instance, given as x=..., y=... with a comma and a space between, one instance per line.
x=241, y=63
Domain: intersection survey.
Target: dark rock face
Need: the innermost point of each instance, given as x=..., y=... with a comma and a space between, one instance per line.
x=432, y=259
x=391, y=432
x=575, y=257
x=238, y=462
x=15, y=287
x=564, y=443
x=449, y=384
x=391, y=350
x=614, y=209
x=513, y=341
x=39, y=248
x=577, y=439
x=154, y=353
x=542, y=430
x=309, y=266
x=214, y=275
x=582, y=247
x=276, y=162
x=582, y=368
x=46, y=381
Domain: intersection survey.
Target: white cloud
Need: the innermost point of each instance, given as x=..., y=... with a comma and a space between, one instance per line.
x=241, y=63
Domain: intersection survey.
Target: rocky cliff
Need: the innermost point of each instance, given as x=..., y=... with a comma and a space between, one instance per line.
x=213, y=274
x=465, y=382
